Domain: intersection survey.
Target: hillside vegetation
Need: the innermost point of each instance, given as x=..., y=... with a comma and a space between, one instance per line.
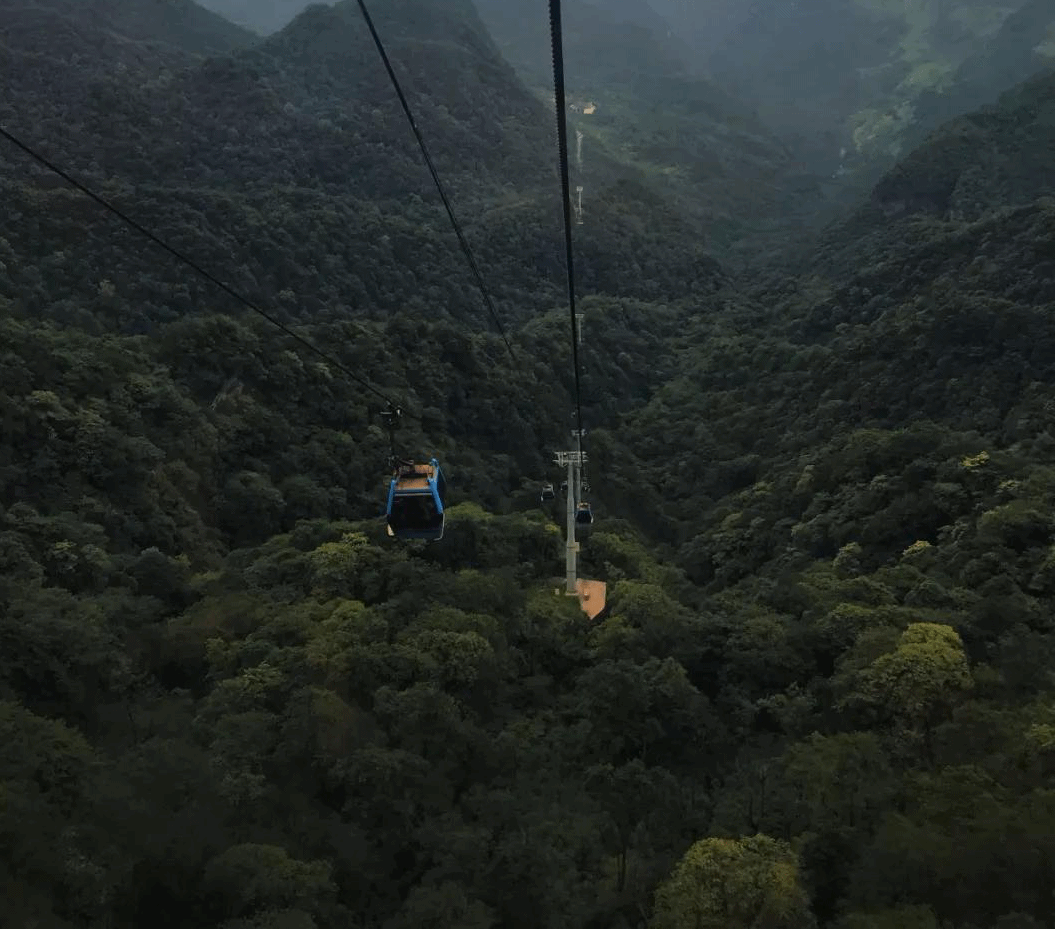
x=144, y=31
x=264, y=18
x=821, y=694
x=699, y=146
x=861, y=83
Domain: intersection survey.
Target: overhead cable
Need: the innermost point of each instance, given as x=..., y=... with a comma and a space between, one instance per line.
x=436, y=178
x=566, y=199
x=193, y=265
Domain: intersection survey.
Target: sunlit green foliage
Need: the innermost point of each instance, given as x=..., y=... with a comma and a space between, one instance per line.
x=749, y=882
x=821, y=692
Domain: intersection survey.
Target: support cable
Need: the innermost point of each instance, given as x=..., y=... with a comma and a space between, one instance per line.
x=197, y=268
x=566, y=200
x=436, y=178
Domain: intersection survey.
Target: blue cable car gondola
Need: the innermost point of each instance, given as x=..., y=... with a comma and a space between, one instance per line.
x=547, y=493
x=584, y=516
x=416, y=502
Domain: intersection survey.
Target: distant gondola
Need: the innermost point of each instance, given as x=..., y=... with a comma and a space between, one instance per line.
x=416, y=502
x=584, y=516
x=547, y=493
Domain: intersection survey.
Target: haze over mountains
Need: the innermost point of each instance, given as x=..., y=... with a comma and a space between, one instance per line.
x=762, y=120
x=262, y=16
x=820, y=695
x=176, y=25
x=858, y=70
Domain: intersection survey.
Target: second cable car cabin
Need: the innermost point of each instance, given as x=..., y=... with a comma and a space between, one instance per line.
x=416, y=501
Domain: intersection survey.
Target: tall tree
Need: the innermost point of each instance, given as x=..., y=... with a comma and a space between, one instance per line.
x=749, y=883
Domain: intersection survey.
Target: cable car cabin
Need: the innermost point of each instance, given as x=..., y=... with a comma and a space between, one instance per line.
x=416, y=502
x=584, y=517
x=547, y=493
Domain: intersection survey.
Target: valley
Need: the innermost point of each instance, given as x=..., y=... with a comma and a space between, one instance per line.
x=819, y=420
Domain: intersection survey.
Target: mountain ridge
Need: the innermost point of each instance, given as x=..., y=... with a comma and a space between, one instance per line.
x=262, y=19
x=822, y=501
x=181, y=25
x=851, y=86
x=691, y=140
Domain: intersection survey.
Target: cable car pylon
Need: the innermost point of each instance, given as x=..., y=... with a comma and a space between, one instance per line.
x=591, y=594
x=578, y=515
x=574, y=462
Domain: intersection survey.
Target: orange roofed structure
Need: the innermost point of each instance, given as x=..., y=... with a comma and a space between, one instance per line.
x=591, y=597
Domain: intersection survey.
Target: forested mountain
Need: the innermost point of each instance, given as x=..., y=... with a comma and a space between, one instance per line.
x=304, y=96
x=886, y=326
x=597, y=35
x=996, y=155
x=306, y=123
x=54, y=29
x=854, y=84
x=860, y=78
x=821, y=694
x=694, y=143
x=262, y=16
x=705, y=26
x=1021, y=47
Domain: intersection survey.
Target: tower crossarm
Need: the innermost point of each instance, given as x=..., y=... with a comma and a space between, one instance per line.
x=564, y=459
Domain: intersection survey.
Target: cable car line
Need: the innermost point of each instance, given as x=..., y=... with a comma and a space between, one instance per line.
x=566, y=200
x=191, y=263
x=436, y=178
x=416, y=505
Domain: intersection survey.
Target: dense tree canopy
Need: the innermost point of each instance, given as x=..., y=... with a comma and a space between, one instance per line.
x=821, y=692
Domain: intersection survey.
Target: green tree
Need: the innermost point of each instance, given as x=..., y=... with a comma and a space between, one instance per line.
x=964, y=845
x=249, y=878
x=829, y=793
x=630, y=794
x=902, y=917
x=749, y=883
x=649, y=711
x=831, y=782
x=918, y=682
x=443, y=905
